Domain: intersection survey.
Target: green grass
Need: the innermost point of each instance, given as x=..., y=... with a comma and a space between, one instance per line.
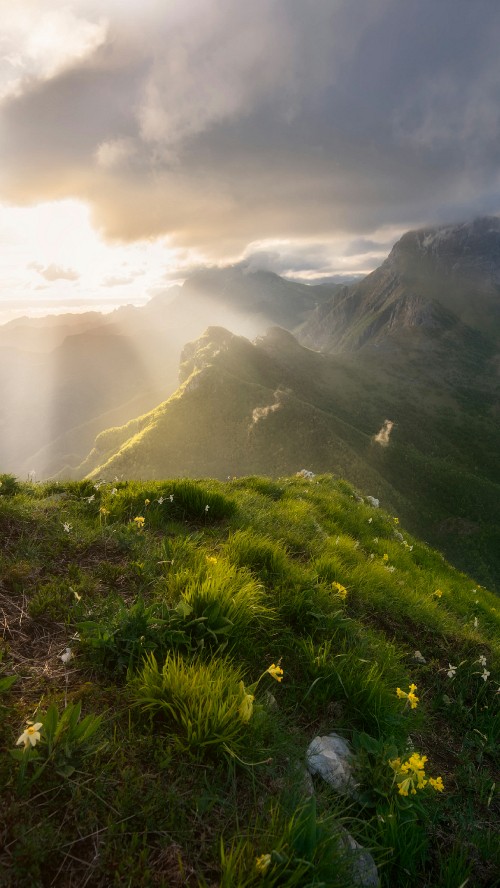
x=169, y=754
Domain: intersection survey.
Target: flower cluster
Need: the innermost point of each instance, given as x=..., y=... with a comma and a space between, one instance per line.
x=139, y=522
x=341, y=590
x=276, y=672
x=262, y=863
x=410, y=775
x=410, y=697
x=485, y=674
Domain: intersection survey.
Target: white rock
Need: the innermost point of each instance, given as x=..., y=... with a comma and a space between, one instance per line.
x=418, y=657
x=330, y=758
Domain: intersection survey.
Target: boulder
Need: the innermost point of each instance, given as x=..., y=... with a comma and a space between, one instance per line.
x=329, y=757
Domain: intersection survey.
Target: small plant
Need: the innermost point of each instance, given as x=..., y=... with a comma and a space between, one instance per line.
x=199, y=702
x=223, y=606
x=9, y=485
x=119, y=640
x=303, y=849
x=60, y=740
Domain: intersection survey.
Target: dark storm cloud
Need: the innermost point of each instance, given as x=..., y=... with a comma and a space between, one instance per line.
x=223, y=124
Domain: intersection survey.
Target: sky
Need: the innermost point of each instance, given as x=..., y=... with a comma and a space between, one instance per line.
x=141, y=139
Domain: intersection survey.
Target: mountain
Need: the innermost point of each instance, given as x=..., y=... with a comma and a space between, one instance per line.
x=404, y=401
x=66, y=378
x=437, y=279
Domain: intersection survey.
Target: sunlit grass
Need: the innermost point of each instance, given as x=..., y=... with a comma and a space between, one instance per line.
x=208, y=646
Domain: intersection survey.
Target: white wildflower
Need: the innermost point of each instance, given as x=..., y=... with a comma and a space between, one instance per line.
x=451, y=671
x=67, y=526
x=67, y=656
x=30, y=735
x=207, y=508
x=370, y=520
x=114, y=491
x=171, y=497
x=482, y=660
x=90, y=499
x=476, y=622
x=485, y=675
x=161, y=500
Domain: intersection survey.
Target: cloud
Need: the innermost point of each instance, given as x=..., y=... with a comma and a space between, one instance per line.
x=61, y=38
x=362, y=245
x=229, y=124
x=54, y=272
x=117, y=281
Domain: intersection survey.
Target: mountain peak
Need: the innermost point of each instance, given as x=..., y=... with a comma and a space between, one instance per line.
x=442, y=278
x=468, y=248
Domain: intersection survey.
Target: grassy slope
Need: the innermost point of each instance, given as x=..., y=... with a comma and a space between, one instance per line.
x=440, y=472
x=186, y=792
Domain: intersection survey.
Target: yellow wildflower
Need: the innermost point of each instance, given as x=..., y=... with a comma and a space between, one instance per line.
x=276, y=672
x=438, y=593
x=263, y=862
x=246, y=706
x=139, y=521
x=396, y=520
x=385, y=557
x=30, y=735
x=341, y=590
x=211, y=559
x=103, y=511
x=410, y=697
x=437, y=783
x=147, y=502
x=404, y=787
x=410, y=775
x=412, y=700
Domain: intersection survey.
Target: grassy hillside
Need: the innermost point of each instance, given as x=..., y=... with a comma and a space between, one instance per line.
x=270, y=406
x=170, y=649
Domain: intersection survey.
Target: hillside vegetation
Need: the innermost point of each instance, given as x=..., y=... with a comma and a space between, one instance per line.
x=268, y=406
x=171, y=648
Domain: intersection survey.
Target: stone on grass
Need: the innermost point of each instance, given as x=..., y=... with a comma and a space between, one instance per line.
x=418, y=657
x=363, y=868
x=329, y=757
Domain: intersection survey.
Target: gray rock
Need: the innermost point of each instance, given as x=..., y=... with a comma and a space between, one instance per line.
x=363, y=867
x=330, y=758
x=373, y=501
x=418, y=657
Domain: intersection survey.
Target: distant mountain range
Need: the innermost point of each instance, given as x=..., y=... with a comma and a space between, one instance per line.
x=412, y=351
x=66, y=378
